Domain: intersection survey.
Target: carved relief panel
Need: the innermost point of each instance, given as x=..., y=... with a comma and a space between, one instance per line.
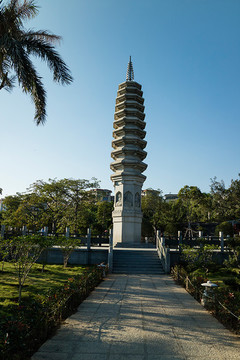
x=118, y=198
x=128, y=199
x=137, y=200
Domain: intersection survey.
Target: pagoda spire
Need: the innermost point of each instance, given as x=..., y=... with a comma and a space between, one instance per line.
x=130, y=72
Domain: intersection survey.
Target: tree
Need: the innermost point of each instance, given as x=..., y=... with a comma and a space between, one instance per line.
x=152, y=207
x=220, y=205
x=11, y=205
x=192, y=203
x=24, y=209
x=67, y=246
x=24, y=252
x=234, y=252
x=104, y=215
x=173, y=218
x=4, y=250
x=53, y=203
x=190, y=198
x=52, y=195
x=68, y=202
x=233, y=199
x=226, y=227
x=159, y=214
x=17, y=45
x=81, y=203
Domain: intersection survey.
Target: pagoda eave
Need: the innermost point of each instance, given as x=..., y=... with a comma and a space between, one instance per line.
x=125, y=141
x=129, y=120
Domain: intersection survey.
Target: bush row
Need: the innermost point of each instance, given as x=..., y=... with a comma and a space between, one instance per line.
x=25, y=326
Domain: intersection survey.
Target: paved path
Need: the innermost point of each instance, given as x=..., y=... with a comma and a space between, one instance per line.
x=140, y=317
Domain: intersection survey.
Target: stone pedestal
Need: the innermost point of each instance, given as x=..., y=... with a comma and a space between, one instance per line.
x=127, y=215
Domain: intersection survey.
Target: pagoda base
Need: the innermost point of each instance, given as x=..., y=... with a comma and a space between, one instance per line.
x=127, y=228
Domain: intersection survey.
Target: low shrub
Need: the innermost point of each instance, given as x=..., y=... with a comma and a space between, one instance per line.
x=194, y=258
x=224, y=305
x=233, y=284
x=226, y=308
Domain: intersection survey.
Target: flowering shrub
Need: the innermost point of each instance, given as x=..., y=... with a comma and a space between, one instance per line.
x=225, y=305
x=26, y=326
x=227, y=308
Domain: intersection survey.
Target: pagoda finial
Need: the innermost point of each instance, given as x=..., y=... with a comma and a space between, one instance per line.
x=130, y=72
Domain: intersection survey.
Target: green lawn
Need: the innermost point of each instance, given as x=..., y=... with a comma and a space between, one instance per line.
x=37, y=282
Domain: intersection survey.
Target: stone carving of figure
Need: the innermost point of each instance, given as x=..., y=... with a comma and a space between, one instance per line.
x=137, y=200
x=118, y=198
x=128, y=199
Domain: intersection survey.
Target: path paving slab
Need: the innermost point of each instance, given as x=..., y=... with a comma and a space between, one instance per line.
x=140, y=317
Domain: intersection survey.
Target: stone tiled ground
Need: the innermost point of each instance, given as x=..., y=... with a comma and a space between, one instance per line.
x=140, y=317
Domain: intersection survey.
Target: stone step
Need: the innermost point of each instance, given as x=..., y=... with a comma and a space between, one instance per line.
x=140, y=272
x=135, y=261
x=140, y=260
x=136, y=264
x=136, y=256
x=124, y=262
x=137, y=270
x=135, y=252
x=126, y=245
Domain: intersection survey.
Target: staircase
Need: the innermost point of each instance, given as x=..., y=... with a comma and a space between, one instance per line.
x=136, y=261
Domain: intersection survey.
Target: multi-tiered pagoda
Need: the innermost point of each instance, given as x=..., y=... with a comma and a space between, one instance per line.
x=128, y=165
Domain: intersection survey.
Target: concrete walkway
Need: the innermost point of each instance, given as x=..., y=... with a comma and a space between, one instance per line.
x=140, y=317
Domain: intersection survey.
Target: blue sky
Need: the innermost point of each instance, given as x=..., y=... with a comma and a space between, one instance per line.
x=186, y=55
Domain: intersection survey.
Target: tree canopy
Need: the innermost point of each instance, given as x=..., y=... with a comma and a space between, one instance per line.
x=54, y=203
x=73, y=203
x=193, y=208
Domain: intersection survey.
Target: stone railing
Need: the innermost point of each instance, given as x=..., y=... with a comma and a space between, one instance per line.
x=163, y=253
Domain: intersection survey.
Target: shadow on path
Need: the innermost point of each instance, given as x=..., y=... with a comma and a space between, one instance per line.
x=140, y=317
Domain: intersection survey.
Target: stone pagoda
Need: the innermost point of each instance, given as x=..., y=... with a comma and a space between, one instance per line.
x=128, y=165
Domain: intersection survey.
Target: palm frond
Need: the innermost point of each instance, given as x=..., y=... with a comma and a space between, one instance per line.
x=29, y=80
x=27, y=10
x=39, y=97
x=46, y=51
x=16, y=47
x=9, y=83
x=21, y=11
x=12, y=5
x=43, y=35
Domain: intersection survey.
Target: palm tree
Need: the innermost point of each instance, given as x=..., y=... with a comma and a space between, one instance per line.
x=17, y=45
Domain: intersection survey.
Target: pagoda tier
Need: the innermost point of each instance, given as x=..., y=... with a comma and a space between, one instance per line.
x=129, y=129
x=129, y=124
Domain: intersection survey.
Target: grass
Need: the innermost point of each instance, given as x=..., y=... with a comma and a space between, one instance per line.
x=24, y=327
x=37, y=282
x=219, y=275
